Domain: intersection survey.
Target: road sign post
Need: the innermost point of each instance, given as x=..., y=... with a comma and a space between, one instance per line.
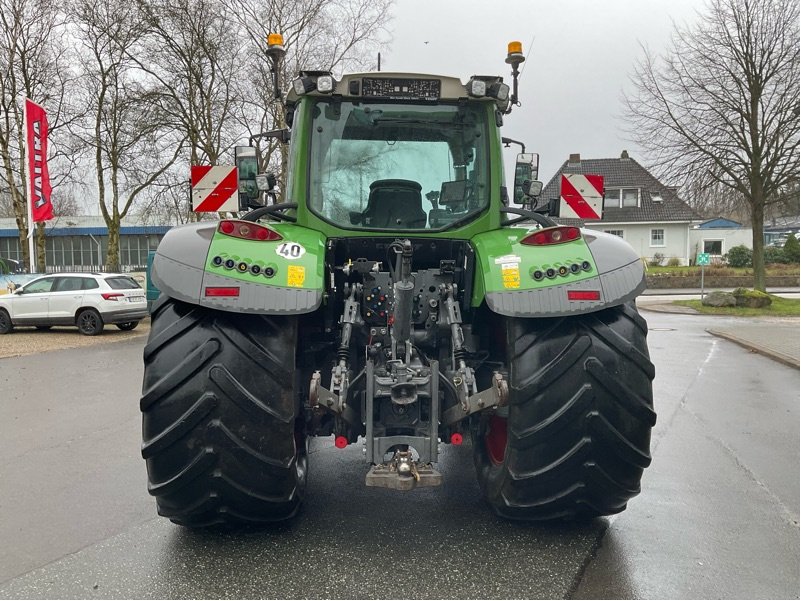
x=703, y=261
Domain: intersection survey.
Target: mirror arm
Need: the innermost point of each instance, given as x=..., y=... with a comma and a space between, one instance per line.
x=282, y=135
x=508, y=141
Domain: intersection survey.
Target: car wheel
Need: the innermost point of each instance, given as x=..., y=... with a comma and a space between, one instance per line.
x=128, y=325
x=89, y=322
x=5, y=322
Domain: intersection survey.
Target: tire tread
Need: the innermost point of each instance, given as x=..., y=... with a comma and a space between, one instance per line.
x=580, y=417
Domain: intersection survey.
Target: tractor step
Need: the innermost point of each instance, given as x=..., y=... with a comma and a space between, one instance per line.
x=388, y=476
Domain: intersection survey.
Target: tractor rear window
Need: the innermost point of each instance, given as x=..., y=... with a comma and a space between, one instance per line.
x=398, y=166
x=122, y=283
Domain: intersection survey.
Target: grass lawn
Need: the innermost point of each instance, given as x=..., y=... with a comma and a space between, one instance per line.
x=780, y=307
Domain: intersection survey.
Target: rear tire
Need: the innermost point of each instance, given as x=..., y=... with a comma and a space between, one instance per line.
x=5, y=322
x=580, y=414
x=127, y=326
x=224, y=437
x=89, y=322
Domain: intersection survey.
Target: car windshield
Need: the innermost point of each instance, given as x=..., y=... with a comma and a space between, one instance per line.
x=398, y=166
x=123, y=282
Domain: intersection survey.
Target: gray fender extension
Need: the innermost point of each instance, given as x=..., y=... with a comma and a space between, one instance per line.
x=179, y=272
x=620, y=278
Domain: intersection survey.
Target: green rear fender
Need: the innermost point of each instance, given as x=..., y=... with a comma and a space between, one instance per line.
x=591, y=273
x=197, y=264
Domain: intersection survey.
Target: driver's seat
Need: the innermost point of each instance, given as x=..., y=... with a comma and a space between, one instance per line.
x=394, y=203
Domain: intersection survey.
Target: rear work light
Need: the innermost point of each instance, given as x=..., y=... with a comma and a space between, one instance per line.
x=247, y=230
x=583, y=295
x=552, y=235
x=222, y=291
x=112, y=296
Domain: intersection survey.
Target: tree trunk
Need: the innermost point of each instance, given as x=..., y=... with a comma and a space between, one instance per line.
x=113, y=255
x=758, y=242
x=41, y=239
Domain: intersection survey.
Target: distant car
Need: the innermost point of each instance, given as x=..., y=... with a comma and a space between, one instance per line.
x=8, y=266
x=85, y=300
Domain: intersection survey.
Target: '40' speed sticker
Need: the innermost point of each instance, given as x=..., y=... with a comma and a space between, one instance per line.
x=290, y=250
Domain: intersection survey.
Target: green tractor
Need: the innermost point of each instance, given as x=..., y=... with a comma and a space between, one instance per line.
x=398, y=301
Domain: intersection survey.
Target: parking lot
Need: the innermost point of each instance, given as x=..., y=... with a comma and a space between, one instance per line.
x=717, y=517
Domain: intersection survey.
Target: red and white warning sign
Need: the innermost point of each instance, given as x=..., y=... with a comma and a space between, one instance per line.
x=214, y=189
x=582, y=196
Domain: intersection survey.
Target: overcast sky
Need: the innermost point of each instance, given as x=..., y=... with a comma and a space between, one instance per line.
x=578, y=65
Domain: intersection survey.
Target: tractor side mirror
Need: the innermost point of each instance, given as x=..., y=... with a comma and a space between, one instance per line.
x=532, y=189
x=247, y=166
x=526, y=170
x=266, y=182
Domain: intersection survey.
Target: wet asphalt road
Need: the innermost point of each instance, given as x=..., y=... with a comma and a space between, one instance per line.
x=718, y=516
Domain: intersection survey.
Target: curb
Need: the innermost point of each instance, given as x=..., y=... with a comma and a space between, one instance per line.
x=762, y=350
x=663, y=308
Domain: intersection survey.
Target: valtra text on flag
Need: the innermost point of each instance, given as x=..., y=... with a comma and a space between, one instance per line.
x=39, y=177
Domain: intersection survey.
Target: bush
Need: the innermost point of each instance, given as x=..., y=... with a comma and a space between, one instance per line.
x=673, y=262
x=739, y=256
x=774, y=254
x=790, y=250
x=657, y=259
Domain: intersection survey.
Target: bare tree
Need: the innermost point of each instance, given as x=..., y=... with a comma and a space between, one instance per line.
x=330, y=35
x=170, y=202
x=125, y=122
x=33, y=64
x=191, y=51
x=721, y=106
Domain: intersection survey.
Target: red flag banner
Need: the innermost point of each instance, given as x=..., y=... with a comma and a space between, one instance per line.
x=39, y=178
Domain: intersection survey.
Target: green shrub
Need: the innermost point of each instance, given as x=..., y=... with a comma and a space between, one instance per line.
x=673, y=262
x=774, y=254
x=790, y=250
x=739, y=256
x=657, y=259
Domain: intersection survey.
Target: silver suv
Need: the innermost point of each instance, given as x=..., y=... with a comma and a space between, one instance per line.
x=85, y=300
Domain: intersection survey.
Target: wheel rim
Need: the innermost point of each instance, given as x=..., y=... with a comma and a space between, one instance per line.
x=496, y=439
x=3, y=321
x=88, y=322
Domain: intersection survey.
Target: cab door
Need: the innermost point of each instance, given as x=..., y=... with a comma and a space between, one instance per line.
x=32, y=303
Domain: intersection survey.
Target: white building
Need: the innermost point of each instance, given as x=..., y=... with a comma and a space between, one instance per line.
x=639, y=208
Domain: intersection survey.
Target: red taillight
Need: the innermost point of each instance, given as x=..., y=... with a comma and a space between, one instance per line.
x=583, y=295
x=112, y=296
x=222, y=291
x=247, y=230
x=552, y=235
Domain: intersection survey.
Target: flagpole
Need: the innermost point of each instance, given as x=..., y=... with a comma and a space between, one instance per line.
x=29, y=188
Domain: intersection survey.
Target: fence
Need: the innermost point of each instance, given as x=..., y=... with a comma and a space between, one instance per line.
x=92, y=268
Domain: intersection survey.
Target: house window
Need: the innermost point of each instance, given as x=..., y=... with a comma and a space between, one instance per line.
x=631, y=197
x=614, y=198
x=657, y=237
x=656, y=196
x=713, y=247
x=611, y=198
x=618, y=233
